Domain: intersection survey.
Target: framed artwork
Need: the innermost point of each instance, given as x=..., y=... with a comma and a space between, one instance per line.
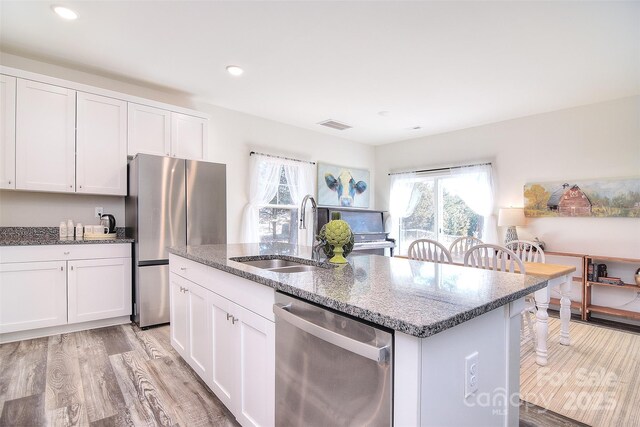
x=586, y=198
x=343, y=186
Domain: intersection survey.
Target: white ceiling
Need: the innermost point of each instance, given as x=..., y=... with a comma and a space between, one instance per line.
x=438, y=65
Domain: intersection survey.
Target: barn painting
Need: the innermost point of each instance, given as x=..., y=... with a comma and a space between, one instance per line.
x=586, y=198
x=343, y=186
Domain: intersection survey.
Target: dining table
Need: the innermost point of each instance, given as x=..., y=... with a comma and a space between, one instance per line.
x=557, y=275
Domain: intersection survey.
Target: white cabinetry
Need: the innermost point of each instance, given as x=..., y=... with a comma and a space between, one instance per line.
x=46, y=286
x=240, y=348
x=190, y=324
x=189, y=136
x=45, y=137
x=101, y=145
x=165, y=133
x=32, y=295
x=99, y=289
x=149, y=130
x=7, y=132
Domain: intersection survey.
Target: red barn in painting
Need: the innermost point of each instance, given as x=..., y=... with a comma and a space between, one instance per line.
x=570, y=201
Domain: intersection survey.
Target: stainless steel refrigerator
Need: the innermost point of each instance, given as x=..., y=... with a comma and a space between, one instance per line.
x=170, y=202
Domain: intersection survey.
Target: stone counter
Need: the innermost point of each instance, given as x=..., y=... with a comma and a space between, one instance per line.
x=413, y=297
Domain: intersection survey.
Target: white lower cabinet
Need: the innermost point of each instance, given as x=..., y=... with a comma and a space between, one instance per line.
x=239, y=366
x=190, y=323
x=32, y=295
x=99, y=289
x=45, y=286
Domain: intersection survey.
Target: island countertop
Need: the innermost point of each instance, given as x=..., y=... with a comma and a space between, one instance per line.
x=414, y=297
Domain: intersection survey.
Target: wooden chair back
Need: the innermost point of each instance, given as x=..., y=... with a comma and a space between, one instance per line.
x=461, y=245
x=493, y=257
x=527, y=251
x=429, y=250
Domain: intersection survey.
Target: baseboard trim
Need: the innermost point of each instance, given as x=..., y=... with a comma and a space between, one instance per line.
x=62, y=329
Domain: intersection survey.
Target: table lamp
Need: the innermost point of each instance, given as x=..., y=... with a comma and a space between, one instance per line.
x=511, y=217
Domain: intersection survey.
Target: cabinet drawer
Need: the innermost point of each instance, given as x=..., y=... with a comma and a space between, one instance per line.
x=251, y=295
x=191, y=270
x=10, y=254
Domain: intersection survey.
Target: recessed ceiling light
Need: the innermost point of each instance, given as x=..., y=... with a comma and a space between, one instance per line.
x=234, y=70
x=65, y=12
x=383, y=113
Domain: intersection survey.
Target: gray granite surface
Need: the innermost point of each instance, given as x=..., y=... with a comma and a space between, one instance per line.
x=33, y=236
x=414, y=297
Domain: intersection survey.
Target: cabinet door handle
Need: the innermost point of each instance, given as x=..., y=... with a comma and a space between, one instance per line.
x=9, y=182
x=81, y=186
x=234, y=320
x=61, y=268
x=71, y=186
x=229, y=316
x=72, y=268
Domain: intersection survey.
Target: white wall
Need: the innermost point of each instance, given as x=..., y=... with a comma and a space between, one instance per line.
x=232, y=136
x=594, y=141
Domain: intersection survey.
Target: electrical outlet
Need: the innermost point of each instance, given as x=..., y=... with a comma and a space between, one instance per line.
x=99, y=212
x=470, y=374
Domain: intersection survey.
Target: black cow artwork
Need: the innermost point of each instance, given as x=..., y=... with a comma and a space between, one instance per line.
x=342, y=187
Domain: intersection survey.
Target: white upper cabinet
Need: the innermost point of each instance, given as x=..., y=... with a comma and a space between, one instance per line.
x=189, y=136
x=45, y=137
x=149, y=130
x=101, y=145
x=165, y=133
x=7, y=132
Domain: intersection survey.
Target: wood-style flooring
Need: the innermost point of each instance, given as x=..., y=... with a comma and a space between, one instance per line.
x=116, y=376
x=123, y=376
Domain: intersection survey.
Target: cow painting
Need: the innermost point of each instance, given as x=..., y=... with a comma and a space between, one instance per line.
x=345, y=186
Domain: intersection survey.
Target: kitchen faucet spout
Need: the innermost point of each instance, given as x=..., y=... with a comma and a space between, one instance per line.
x=303, y=215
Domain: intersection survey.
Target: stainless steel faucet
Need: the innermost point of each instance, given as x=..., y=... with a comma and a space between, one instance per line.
x=303, y=215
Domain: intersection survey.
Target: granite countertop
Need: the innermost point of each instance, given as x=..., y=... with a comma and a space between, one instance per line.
x=34, y=236
x=414, y=297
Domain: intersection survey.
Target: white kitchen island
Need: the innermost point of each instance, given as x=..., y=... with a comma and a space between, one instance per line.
x=456, y=329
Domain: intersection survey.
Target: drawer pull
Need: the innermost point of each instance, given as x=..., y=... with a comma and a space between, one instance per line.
x=183, y=268
x=67, y=253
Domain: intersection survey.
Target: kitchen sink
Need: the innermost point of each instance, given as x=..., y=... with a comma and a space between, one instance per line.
x=279, y=265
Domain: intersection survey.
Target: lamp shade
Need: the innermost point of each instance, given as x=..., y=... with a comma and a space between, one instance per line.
x=508, y=217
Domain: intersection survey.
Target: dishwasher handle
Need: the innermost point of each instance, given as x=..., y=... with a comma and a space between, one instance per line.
x=377, y=354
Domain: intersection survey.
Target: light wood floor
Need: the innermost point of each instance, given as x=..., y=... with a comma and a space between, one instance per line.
x=117, y=376
x=123, y=376
x=596, y=380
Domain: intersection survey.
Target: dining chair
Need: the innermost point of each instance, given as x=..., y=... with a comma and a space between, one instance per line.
x=527, y=251
x=493, y=257
x=461, y=245
x=429, y=250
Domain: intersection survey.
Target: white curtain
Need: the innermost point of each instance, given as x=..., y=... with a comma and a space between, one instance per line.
x=264, y=177
x=474, y=185
x=300, y=178
x=402, y=200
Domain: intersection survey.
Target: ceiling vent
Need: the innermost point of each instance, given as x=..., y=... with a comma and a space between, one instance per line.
x=335, y=125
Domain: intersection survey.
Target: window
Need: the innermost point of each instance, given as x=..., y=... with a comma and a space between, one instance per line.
x=441, y=206
x=276, y=188
x=278, y=219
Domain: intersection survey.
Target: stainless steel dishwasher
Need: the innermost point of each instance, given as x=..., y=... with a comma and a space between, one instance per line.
x=331, y=370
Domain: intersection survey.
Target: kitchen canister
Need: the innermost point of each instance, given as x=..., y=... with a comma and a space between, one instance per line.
x=63, y=230
x=79, y=231
x=70, y=229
